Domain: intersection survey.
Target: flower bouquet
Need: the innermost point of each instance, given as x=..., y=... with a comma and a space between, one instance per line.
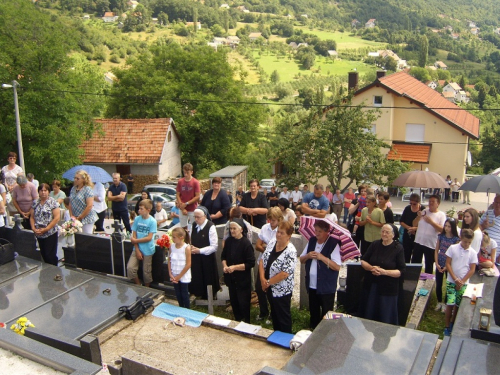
x=164, y=241
x=70, y=227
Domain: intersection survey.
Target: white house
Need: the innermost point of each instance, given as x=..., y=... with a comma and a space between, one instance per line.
x=370, y=23
x=432, y=84
x=119, y=146
x=109, y=17
x=440, y=65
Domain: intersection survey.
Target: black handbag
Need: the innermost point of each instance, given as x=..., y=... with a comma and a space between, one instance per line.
x=7, y=253
x=138, y=308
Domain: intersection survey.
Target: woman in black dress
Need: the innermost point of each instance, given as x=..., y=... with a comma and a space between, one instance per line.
x=384, y=262
x=238, y=260
x=217, y=202
x=409, y=214
x=204, y=243
x=144, y=195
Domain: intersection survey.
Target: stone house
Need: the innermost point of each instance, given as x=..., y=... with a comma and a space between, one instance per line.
x=109, y=17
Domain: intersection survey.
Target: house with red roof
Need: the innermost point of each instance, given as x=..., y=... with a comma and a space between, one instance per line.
x=422, y=126
x=147, y=147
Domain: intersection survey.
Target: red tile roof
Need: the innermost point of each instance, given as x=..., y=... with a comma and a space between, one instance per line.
x=130, y=141
x=410, y=152
x=405, y=85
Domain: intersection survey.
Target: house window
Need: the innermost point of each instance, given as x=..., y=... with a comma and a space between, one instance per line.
x=377, y=100
x=371, y=129
x=169, y=136
x=415, y=132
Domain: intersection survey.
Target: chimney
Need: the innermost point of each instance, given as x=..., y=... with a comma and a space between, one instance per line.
x=380, y=73
x=353, y=81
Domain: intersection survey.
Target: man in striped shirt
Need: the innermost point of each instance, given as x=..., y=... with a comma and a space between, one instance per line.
x=490, y=221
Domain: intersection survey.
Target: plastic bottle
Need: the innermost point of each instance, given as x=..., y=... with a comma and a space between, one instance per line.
x=473, y=297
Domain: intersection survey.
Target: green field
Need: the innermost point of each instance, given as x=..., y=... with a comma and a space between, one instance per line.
x=288, y=69
x=344, y=40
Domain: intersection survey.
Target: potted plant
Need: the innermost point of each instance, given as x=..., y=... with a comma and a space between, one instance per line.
x=451, y=212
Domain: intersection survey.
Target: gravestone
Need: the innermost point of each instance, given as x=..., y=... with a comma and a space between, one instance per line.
x=66, y=312
x=354, y=289
x=23, y=240
x=360, y=346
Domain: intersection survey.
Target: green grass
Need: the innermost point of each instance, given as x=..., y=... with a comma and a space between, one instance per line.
x=433, y=321
x=344, y=40
x=288, y=69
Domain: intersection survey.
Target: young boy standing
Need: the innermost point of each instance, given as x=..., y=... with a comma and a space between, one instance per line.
x=461, y=262
x=188, y=196
x=143, y=230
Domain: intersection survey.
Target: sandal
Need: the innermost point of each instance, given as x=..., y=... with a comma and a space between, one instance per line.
x=57, y=278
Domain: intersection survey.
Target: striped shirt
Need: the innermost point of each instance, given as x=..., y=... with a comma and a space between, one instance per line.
x=493, y=231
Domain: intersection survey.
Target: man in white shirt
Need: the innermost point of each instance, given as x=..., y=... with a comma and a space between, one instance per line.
x=161, y=217
x=285, y=193
x=295, y=197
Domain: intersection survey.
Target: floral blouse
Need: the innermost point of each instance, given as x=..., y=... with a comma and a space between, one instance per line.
x=43, y=215
x=285, y=262
x=78, y=201
x=444, y=244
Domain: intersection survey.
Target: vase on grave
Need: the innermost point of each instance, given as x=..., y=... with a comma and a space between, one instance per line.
x=70, y=240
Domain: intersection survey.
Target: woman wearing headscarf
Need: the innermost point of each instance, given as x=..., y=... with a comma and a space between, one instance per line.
x=81, y=200
x=23, y=196
x=44, y=216
x=384, y=262
x=237, y=261
x=322, y=259
x=276, y=271
x=217, y=202
x=204, y=243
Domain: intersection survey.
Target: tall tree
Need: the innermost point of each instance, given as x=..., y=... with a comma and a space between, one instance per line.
x=489, y=156
x=337, y=144
x=195, y=86
x=195, y=19
x=423, y=52
x=34, y=50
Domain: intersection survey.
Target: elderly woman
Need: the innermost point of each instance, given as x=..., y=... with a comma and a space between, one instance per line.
x=384, y=262
x=11, y=171
x=23, y=196
x=322, y=259
x=372, y=219
x=217, y=202
x=266, y=235
x=471, y=221
x=288, y=214
x=235, y=213
x=237, y=261
x=409, y=215
x=44, y=216
x=276, y=270
x=81, y=200
x=204, y=243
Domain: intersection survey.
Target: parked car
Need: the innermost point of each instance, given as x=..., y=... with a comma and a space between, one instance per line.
x=161, y=188
x=268, y=183
x=166, y=200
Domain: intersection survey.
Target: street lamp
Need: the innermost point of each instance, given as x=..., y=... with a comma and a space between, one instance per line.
x=18, y=122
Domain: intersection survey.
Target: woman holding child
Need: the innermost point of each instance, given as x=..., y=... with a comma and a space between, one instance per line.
x=238, y=260
x=384, y=262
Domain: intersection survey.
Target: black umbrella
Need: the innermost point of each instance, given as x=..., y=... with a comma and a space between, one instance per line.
x=483, y=184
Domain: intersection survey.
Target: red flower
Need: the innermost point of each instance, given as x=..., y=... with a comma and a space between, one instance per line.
x=163, y=241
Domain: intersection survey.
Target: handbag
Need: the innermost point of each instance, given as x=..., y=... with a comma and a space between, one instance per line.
x=136, y=309
x=7, y=253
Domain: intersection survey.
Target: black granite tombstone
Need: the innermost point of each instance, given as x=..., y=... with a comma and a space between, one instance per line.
x=23, y=240
x=354, y=289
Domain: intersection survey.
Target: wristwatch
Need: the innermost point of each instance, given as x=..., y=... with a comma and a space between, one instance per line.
x=268, y=282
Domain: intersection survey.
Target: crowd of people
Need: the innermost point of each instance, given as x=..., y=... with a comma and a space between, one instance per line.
x=426, y=235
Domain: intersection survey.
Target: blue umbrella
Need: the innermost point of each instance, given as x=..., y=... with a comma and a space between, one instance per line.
x=97, y=174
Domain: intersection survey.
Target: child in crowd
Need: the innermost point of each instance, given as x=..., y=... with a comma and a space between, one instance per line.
x=449, y=236
x=361, y=204
x=132, y=216
x=179, y=265
x=66, y=211
x=461, y=262
x=487, y=253
x=142, y=238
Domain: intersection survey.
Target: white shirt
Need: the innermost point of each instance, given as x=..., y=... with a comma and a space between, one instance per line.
x=99, y=192
x=36, y=183
x=162, y=215
x=427, y=235
x=178, y=262
x=333, y=217
x=461, y=259
x=266, y=234
x=2, y=222
x=313, y=271
x=285, y=195
x=212, y=237
x=296, y=196
x=487, y=250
